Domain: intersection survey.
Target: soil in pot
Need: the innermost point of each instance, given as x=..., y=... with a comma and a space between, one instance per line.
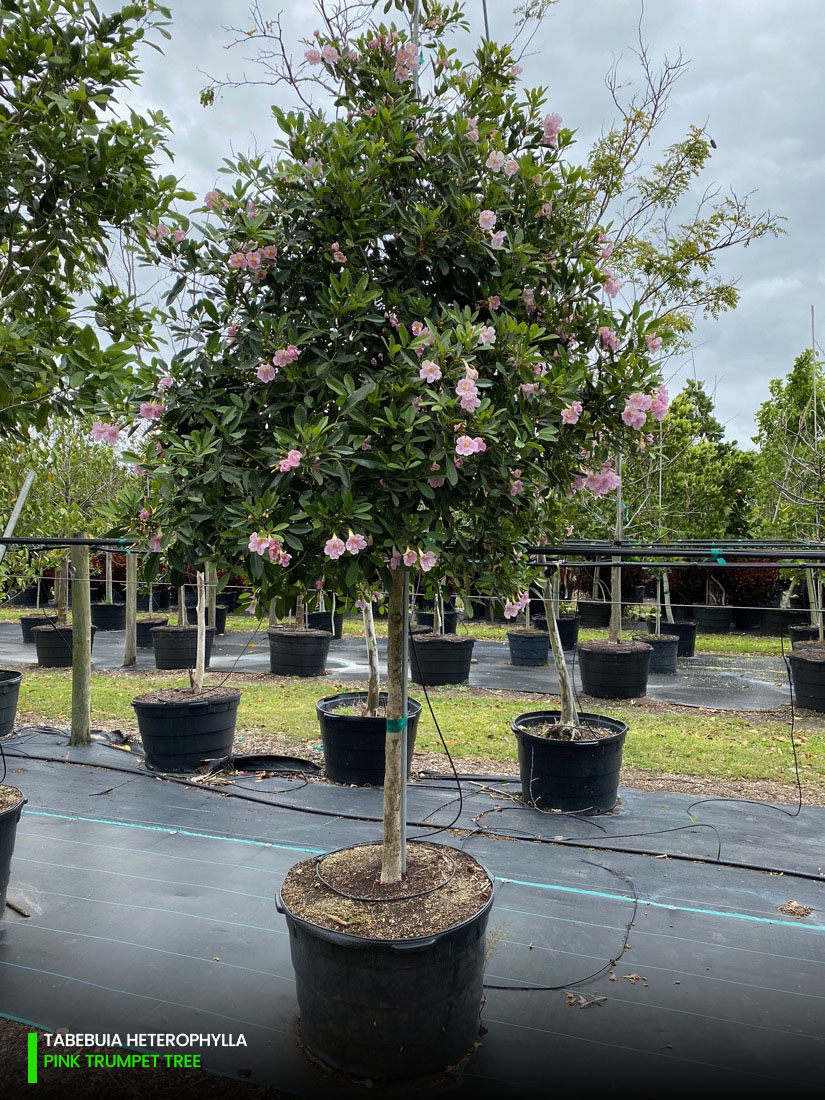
x=354, y=743
x=440, y=659
x=177, y=646
x=573, y=771
x=181, y=729
x=54, y=645
x=530, y=648
x=614, y=670
x=665, y=651
x=389, y=987
x=9, y=693
x=298, y=652
x=11, y=806
x=801, y=635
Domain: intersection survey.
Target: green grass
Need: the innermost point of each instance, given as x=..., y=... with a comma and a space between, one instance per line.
x=476, y=723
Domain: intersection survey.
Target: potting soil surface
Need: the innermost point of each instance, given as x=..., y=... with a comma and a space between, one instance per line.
x=720, y=682
x=658, y=928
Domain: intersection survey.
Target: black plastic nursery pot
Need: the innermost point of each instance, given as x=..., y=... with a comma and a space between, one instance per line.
x=801, y=634
x=593, y=614
x=568, y=630
x=665, y=651
x=614, y=670
x=177, y=646
x=180, y=731
x=354, y=745
x=220, y=617
x=54, y=645
x=144, y=628
x=160, y=600
x=712, y=618
x=747, y=618
x=389, y=1009
x=28, y=622
x=779, y=620
x=9, y=694
x=109, y=616
x=437, y=659
x=8, y=831
x=570, y=776
x=685, y=631
x=529, y=648
x=323, y=620
x=808, y=678
x=298, y=652
x=425, y=620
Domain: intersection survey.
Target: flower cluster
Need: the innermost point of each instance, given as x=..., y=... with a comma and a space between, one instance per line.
x=640, y=404
x=599, y=482
x=337, y=254
x=267, y=371
x=426, y=559
x=291, y=462
x=406, y=61
x=608, y=338
x=151, y=410
x=552, y=125
x=465, y=445
x=105, y=433
x=513, y=607
x=571, y=414
x=160, y=232
x=335, y=547
x=263, y=544
x=252, y=259
x=467, y=390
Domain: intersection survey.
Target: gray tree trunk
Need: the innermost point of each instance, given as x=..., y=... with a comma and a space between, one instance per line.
x=211, y=591
x=130, y=648
x=183, y=619
x=374, y=686
x=81, y=648
x=392, y=857
x=200, y=652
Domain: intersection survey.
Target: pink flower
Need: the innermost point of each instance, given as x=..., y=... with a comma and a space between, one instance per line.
x=178, y=235
x=529, y=298
x=540, y=369
x=294, y=459
x=417, y=327
x=165, y=383
x=470, y=403
x=658, y=406
x=495, y=161
x=510, y=167
x=313, y=56
x=497, y=240
x=609, y=338
x=479, y=446
x=284, y=559
x=212, y=200
x=569, y=530
x=430, y=371
x=427, y=560
x=654, y=343
x=154, y=544
x=355, y=543
x=487, y=335
x=237, y=261
x=257, y=544
x=472, y=128
x=529, y=388
x=266, y=372
x=466, y=387
x=251, y=209
x=552, y=125
x=612, y=287
x=150, y=411
x=253, y=261
x=330, y=54
x=435, y=482
x=286, y=355
x=361, y=605
x=409, y=557
x=284, y=466
x=634, y=418
x=232, y=332
x=273, y=548
x=105, y=433
x=394, y=559
x=602, y=482
x=571, y=414
x=546, y=209
x=366, y=445
x=464, y=445
x=494, y=302
x=516, y=487
x=334, y=547
x=406, y=61
x=137, y=469
x=487, y=219
x=144, y=513
x=269, y=252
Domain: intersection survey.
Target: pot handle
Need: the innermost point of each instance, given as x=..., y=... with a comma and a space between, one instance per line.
x=279, y=905
x=414, y=945
x=198, y=708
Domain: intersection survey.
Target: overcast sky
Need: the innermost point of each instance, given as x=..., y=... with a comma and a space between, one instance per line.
x=756, y=78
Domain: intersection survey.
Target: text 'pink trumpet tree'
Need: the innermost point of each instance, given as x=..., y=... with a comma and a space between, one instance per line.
x=395, y=354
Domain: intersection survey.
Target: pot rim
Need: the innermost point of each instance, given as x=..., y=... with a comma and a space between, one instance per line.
x=539, y=714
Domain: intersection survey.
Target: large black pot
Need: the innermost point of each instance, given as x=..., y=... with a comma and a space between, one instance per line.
x=685, y=631
x=54, y=645
x=160, y=599
x=109, y=616
x=802, y=634
x=8, y=832
x=747, y=618
x=665, y=650
x=27, y=597
x=177, y=646
x=568, y=629
x=354, y=746
x=614, y=670
x=425, y=620
x=593, y=614
x=808, y=678
x=179, y=734
x=712, y=618
x=9, y=693
x=440, y=659
x=220, y=617
x=27, y=622
x=392, y=1009
x=298, y=652
x=571, y=776
x=323, y=620
x=144, y=628
x=529, y=648
x=779, y=620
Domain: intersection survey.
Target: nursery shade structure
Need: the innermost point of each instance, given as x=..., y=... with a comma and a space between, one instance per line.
x=702, y=554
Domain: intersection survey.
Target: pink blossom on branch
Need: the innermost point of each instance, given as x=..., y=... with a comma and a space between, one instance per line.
x=427, y=560
x=487, y=219
x=105, y=433
x=394, y=559
x=154, y=544
x=430, y=371
x=498, y=238
x=464, y=445
x=654, y=343
x=552, y=125
x=608, y=338
x=257, y=544
x=495, y=161
x=510, y=166
x=266, y=372
x=486, y=336
x=409, y=557
x=571, y=414
x=355, y=543
x=151, y=411
x=659, y=404
x=334, y=547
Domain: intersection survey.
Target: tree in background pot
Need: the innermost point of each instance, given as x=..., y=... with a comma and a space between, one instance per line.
x=439, y=656
x=390, y=395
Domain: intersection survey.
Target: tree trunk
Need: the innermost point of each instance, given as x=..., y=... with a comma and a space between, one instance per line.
x=81, y=648
x=300, y=614
x=392, y=864
x=813, y=604
x=615, y=603
x=438, y=612
x=569, y=714
x=130, y=649
x=183, y=619
x=211, y=591
x=62, y=591
x=374, y=686
x=666, y=591
x=200, y=652
x=109, y=596
x=273, y=614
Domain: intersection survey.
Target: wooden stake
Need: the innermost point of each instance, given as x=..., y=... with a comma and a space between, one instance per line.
x=81, y=648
